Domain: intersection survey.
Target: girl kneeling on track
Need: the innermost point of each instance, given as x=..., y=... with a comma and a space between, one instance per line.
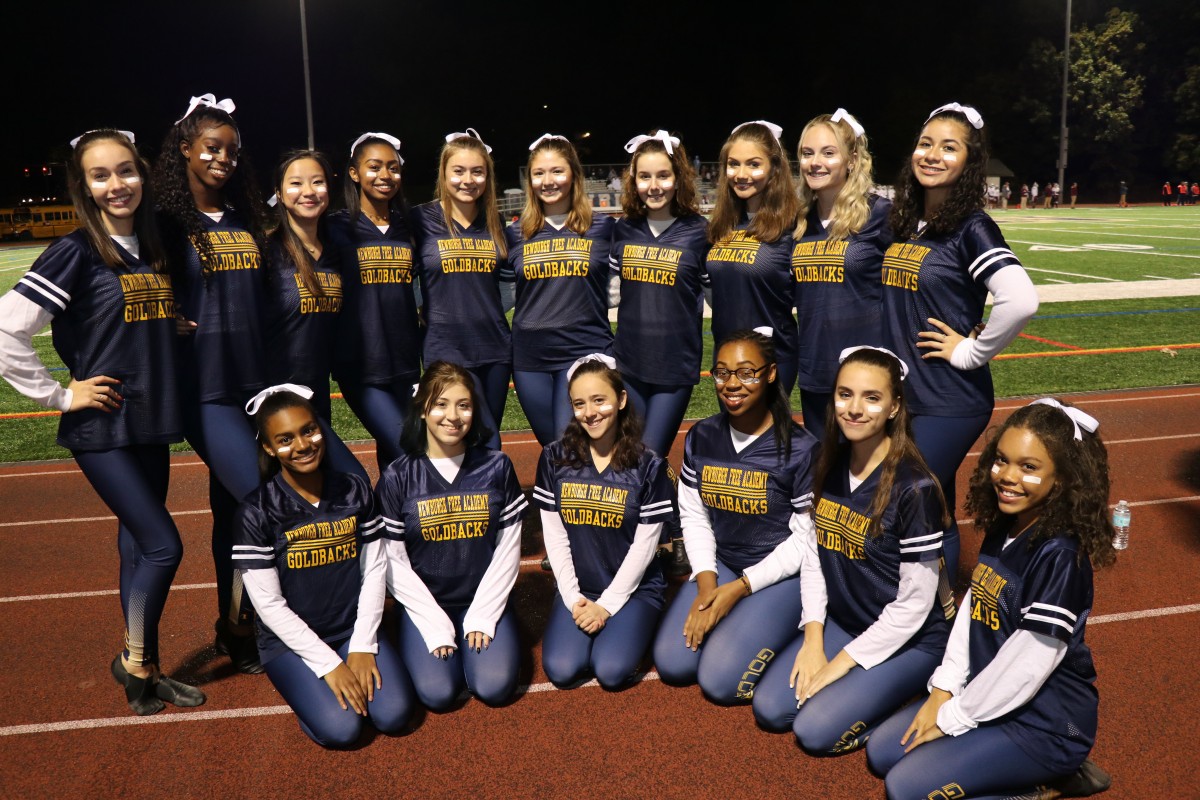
x=604, y=497
x=308, y=548
x=1013, y=703
x=112, y=309
x=453, y=510
x=873, y=631
x=744, y=500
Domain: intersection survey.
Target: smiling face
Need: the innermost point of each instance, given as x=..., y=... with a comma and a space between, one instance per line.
x=377, y=171
x=1022, y=475
x=748, y=168
x=448, y=421
x=550, y=178
x=940, y=156
x=211, y=157
x=465, y=177
x=596, y=404
x=304, y=190
x=823, y=163
x=863, y=402
x=748, y=394
x=654, y=178
x=294, y=437
x=110, y=171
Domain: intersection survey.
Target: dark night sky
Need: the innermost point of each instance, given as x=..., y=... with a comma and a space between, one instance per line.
x=422, y=69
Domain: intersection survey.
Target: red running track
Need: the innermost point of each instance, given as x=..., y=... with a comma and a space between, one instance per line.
x=65, y=730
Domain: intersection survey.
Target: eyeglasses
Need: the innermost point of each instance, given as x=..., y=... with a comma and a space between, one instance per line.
x=747, y=375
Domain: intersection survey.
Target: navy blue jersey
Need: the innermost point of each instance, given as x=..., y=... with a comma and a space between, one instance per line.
x=314, y=550
x=300, y=325
x=115, y=322
x=562, y=295
x=378, y=335
x=659, y=339
x=450, y=529
x=460, y=286
x=1044, y=589
x=862, y=572
x=942, y=278
x=601, y=512
x=752, y=285
x=751, y=495
x=837, y=293
x=223, y=360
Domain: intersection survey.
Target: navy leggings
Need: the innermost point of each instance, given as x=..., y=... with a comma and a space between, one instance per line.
x=132, y=481
x=814, y=405
x=840, y=717
x=491, y=381
x=944, y=442
x=490, y=675
x=662, y=409
x=382, y=409
x=984, y=764
x=326, y=722
x=543, y=397
x=734, y=654
x=613, y=654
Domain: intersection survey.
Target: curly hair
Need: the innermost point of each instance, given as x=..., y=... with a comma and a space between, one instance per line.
x=683, y=204
x=487, y=199
x=777, y=402
x=352, y=192
x=902, y=448
x=437, y=378
x=268, y=465
x=965, y=198
x=780, y=205
x=852, y=207
x=284, y=235
x=628, y=448
x=579, y=217
x=1077, y=505
x=179, y=218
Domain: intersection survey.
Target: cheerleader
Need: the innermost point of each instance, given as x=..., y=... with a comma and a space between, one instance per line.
x=453, y=510
x=214, y=225
x=462, y=259
x=744, y=499
x=378, y=357
x=305, y=295
x=105, y=292
x=308, y=546
x=750, y=230
x=872, y=563
x=1013, y=704
x=559, y=254
x=841, y=235
x=658, y=255
x=603, y=498
x=944, y=237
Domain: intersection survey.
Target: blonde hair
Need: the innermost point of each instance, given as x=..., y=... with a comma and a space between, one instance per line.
x=851, y=208
x=487, y=200
x=779, y=208
x=579, y=218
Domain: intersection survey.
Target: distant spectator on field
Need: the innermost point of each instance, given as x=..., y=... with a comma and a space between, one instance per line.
x=1050, y=200
x=1195, y=192
x=614, y=182
x=1074, y=193
x=1033, y=195
x=1123, y=190
x=696, y=164
x=1005, y=193
x=993, y=195
x=1166, y=193
x=1024, y=195
x=1181, y=198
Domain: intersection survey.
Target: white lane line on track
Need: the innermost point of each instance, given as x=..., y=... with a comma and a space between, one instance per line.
x=180, y=587
x=1150, y=612
x=975, y=453
x=1082, y=399
x=70, y=520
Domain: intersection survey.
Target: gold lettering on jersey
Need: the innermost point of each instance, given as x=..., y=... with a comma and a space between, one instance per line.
x=331, y=303
x=561, y=257
x=233, y=250
x=595, y=504
x=951, y=791
x=647, y=264
x=822, y=262
x=902, y=265
x=147, y=296
x=842, y=529
x=453, y=517
x=742, y=491
x=464, y=254
x=739, y=247
x=986, y=585
x=319, y=543
x=385, y=263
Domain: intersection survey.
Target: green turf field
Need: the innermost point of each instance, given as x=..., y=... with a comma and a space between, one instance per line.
x=1058, y=246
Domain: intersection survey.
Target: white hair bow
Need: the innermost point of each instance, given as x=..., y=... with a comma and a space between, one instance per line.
x=775, y=130
x=127, y=134
x=295, y=388
x=546, y=137
x=210, y=101
x=846, y=354
x=669, y=142
x=765, y=330
x=973, y=116
x=843, y=114
x=470, y=133
x=387, y=137
x=607, y=361
x=1080, y=418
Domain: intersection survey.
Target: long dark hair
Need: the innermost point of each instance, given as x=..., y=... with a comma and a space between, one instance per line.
x=628, y=448
x=351, y=190
x=780, y=203
x=144, y=226
x=965, y=198
x=1077, y=505
x=683, y=204
x=777, y=401
x=902, y=449
x=306, y=266
x=268, y=465
x=180, y=219
x=438, y=377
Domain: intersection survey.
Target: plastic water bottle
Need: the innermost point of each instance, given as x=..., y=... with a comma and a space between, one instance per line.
x=1120, y=520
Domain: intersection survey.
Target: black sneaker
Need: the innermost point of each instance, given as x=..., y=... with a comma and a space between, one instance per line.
x=242, y=650
x=177, y=693
x=679, y=564
x=1086, y=781
x=139, y=692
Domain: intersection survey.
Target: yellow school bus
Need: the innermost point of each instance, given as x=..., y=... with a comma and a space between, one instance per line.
x=43, y=221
